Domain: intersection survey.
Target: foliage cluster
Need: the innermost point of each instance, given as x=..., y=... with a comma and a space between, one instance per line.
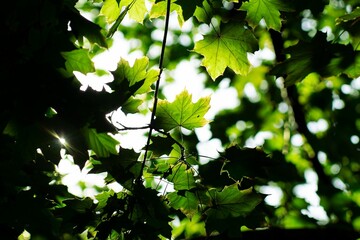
x=299, y=113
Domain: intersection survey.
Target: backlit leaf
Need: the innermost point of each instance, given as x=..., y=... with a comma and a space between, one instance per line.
x=232, y=202
x=227, y=48
x=187, y=203
x=182, y=112
x=131, y=105
x=101, y=143
x=78, y=60
x=269, y=10
x=159, y=9
x=110, y=9
x=136, y=73
x=182, y=177
x=151, y=77
x=137, y=9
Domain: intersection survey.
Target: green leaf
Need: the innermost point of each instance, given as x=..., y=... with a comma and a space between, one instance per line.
x=134, y=73
x=151, y=77
x=269, y=10
x=182, y=177
x=161, y=145
x=110, y=9
x=131, y=105
x=182, y=112
x=188, y=7
x=307, y=57
x=354, y=15
x=232, y=202
x=255, y=163
x=350, y=23
x=78, y=60
x=159, y=9
x=82, y=27
x=112, y=13
x=354, y=70
x=101, y=143
x=203, y=13
x=227, y=48
x=186, y=203
x=137, y=9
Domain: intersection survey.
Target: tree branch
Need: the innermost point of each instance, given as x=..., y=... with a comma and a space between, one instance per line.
x=161, y=62
x=298, y=113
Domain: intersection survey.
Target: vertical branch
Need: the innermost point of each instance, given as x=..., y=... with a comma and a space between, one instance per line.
x=292, y=98
x=157, y=85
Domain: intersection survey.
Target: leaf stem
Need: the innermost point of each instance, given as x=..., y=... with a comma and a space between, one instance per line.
x=157, y=85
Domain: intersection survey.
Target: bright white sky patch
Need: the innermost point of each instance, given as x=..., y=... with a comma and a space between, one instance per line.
x=307, y=191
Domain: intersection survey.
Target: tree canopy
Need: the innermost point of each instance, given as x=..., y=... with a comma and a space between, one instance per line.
x=292, y=131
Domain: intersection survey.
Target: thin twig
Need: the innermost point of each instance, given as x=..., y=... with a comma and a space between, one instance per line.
x=161, y=62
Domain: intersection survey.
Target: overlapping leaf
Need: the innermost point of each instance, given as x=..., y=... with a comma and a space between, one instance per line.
x=232, y=202
x=101, y=143
x=307, y=57
x=182, y=112
x=160, y=8
x=187, y=203
x=113, y=10
x=269, y=10
x=136, y=73
x=182, y=177
x=78, y=60
x=137, y=10
x=188, y=7
x=227, y=48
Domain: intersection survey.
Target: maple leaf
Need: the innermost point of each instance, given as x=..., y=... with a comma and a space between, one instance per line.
x=160, y=8
x=101, y=143
x=136, y=73
x=227, y=48
x=269, y=10
x=182, y=112
x=233, y=202
x=110, y=10
x=78, y=60
x=137, y=10
x=306, y=57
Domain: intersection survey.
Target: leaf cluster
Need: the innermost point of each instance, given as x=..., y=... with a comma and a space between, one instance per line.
x=298, y=114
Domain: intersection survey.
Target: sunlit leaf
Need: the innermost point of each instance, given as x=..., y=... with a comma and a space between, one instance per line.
x=131, y=105
x=159, y=9
x=203, y=13
x=186, y=203
x=101, y=143
x=227, y=48
x=269, y=10
x=232, y=202
x=182, y=112
x=137, y=9
x=110, y=9
x=182, y=177
x=151, y=77
x=134, y=73
x=78, y=60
